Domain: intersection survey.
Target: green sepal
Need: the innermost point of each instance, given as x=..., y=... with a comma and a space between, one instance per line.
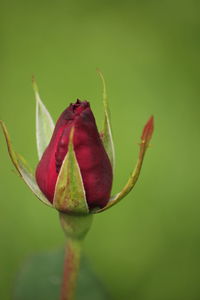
x=106, y=134
x=69, y=196
x=44, y=123
x=22, y=167
x=145, y=139
x=75, y=226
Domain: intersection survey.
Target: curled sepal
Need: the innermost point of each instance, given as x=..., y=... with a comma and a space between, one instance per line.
x=106, y=134
x=44, y=123
x=145, y=139
x=22, y=168
x=75, y=227
x=69, y=196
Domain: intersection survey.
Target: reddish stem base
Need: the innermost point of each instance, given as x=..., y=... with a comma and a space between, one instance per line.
x=71, y=268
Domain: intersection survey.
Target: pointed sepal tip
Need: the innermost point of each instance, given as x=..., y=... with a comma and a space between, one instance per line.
x=145, y=139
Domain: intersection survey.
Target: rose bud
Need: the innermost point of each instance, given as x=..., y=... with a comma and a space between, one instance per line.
x=75, y=171
x=93, y=161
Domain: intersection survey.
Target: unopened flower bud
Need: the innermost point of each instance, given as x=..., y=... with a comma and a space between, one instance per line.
x=93, y=161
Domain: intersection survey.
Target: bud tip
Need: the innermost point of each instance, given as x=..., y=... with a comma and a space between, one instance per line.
x=35, y=87
x=148, y=130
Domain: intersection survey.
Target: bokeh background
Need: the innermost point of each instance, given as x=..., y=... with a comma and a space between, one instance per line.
x=148, y=246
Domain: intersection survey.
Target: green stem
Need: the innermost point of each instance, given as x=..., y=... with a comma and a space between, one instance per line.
x=75, y=228
x=71, y=268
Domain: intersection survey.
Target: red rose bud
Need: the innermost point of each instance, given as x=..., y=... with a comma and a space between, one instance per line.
x=93, y=161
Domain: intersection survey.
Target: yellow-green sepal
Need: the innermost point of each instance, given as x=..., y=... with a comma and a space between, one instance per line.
x=44, y=123
x=106, y=135
x=145, y=139
x=22, y=168
x=69, y=196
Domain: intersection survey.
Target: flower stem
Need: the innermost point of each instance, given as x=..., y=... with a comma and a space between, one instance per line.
x=71, y=268
x=75, y=228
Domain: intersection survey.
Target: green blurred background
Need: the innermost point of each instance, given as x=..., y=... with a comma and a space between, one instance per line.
x=148, y=246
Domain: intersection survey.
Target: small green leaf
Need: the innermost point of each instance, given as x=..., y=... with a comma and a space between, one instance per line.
x=40, y=278
x=145, y=139
x=106, y=135
x=22, y=168
x=44, y=123
x=69, y=192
